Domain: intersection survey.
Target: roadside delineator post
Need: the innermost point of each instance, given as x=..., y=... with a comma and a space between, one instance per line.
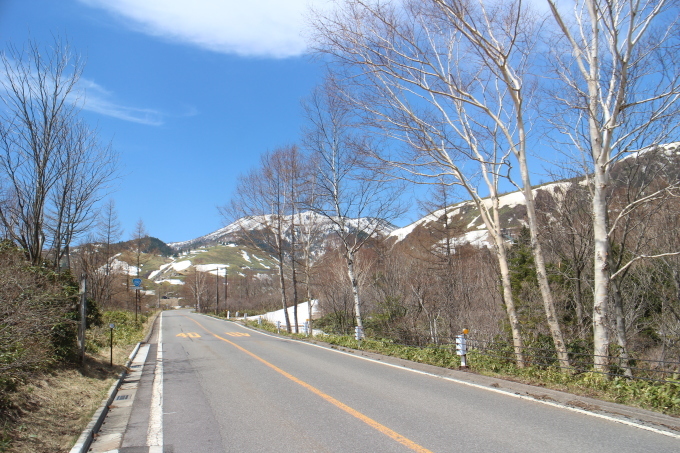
x=461, y=349
x=278, y=326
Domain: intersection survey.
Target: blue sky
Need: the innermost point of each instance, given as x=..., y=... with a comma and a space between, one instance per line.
x=190, y=93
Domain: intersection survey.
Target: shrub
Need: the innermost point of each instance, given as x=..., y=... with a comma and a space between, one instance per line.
x=37, y=327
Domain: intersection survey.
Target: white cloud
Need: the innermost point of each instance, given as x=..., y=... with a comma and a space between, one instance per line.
x=92, y=97
x=265, y=28
x=97, y=99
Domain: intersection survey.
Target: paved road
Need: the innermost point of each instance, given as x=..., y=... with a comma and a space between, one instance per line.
x=229, y=389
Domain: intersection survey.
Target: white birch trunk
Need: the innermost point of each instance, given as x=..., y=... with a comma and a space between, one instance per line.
x=502, y=256
x=621, y=329
x=601, y=274
x=355, y=287
x=510, y=309
x=541, y=274
x=282, y=281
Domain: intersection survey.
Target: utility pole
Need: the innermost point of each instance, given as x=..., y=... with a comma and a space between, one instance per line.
x=127, y=284
x=83, y=316
x=217, y=289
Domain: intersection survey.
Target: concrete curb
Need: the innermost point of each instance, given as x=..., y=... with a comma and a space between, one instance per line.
x=87, y=436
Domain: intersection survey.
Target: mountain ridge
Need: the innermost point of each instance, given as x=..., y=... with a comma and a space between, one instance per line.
x=307, y=219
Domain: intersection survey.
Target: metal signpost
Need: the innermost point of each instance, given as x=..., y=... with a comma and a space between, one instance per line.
x=226, y=287
x=137, y=282
x=111, y=326
x=217, y=289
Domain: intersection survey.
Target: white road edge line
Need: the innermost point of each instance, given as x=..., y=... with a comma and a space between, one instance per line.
x=482, y=387
x=154, y=435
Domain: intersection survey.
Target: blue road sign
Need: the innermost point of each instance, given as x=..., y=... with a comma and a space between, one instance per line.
x=137, y=281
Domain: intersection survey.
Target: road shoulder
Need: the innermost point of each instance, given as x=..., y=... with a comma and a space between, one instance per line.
x=576, y=402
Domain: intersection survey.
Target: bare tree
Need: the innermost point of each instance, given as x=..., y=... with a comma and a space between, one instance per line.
x=88, y=168
x=354, y=200
x=447, y=79
x=644, y=188
x=440, y=198
x=36, y=118
x=139, y=238
x=567, y=234
x=109, y=232
x=310, y=232
x=618, y=90
x=297, y=176
x=335, y=295
x=198, y=287
x=90, y=259
x=669, y=319
x=261, y=207
x=52, y=168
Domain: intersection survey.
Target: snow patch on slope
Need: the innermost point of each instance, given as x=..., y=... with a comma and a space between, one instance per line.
x=172, y=281
x=245, y=256
x=181, y=265
x=214, y=269
x=479, y=238
x=401, y=233
x=121, y=267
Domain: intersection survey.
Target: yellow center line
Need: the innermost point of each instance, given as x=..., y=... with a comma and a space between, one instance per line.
x=353, y=412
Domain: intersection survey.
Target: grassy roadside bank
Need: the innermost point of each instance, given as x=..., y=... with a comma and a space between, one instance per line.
x=47, y=413
x=656, y=396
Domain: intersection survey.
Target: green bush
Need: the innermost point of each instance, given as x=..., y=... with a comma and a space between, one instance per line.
x=127, y=331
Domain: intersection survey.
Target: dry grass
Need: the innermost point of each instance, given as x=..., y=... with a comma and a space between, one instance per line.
x=49, y=412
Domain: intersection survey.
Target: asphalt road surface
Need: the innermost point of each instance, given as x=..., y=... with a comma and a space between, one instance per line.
x=214, y=386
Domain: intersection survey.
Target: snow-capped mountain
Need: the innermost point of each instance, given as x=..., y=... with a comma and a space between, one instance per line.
x=467, y=226
x=307, y=222
x=245, y=246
